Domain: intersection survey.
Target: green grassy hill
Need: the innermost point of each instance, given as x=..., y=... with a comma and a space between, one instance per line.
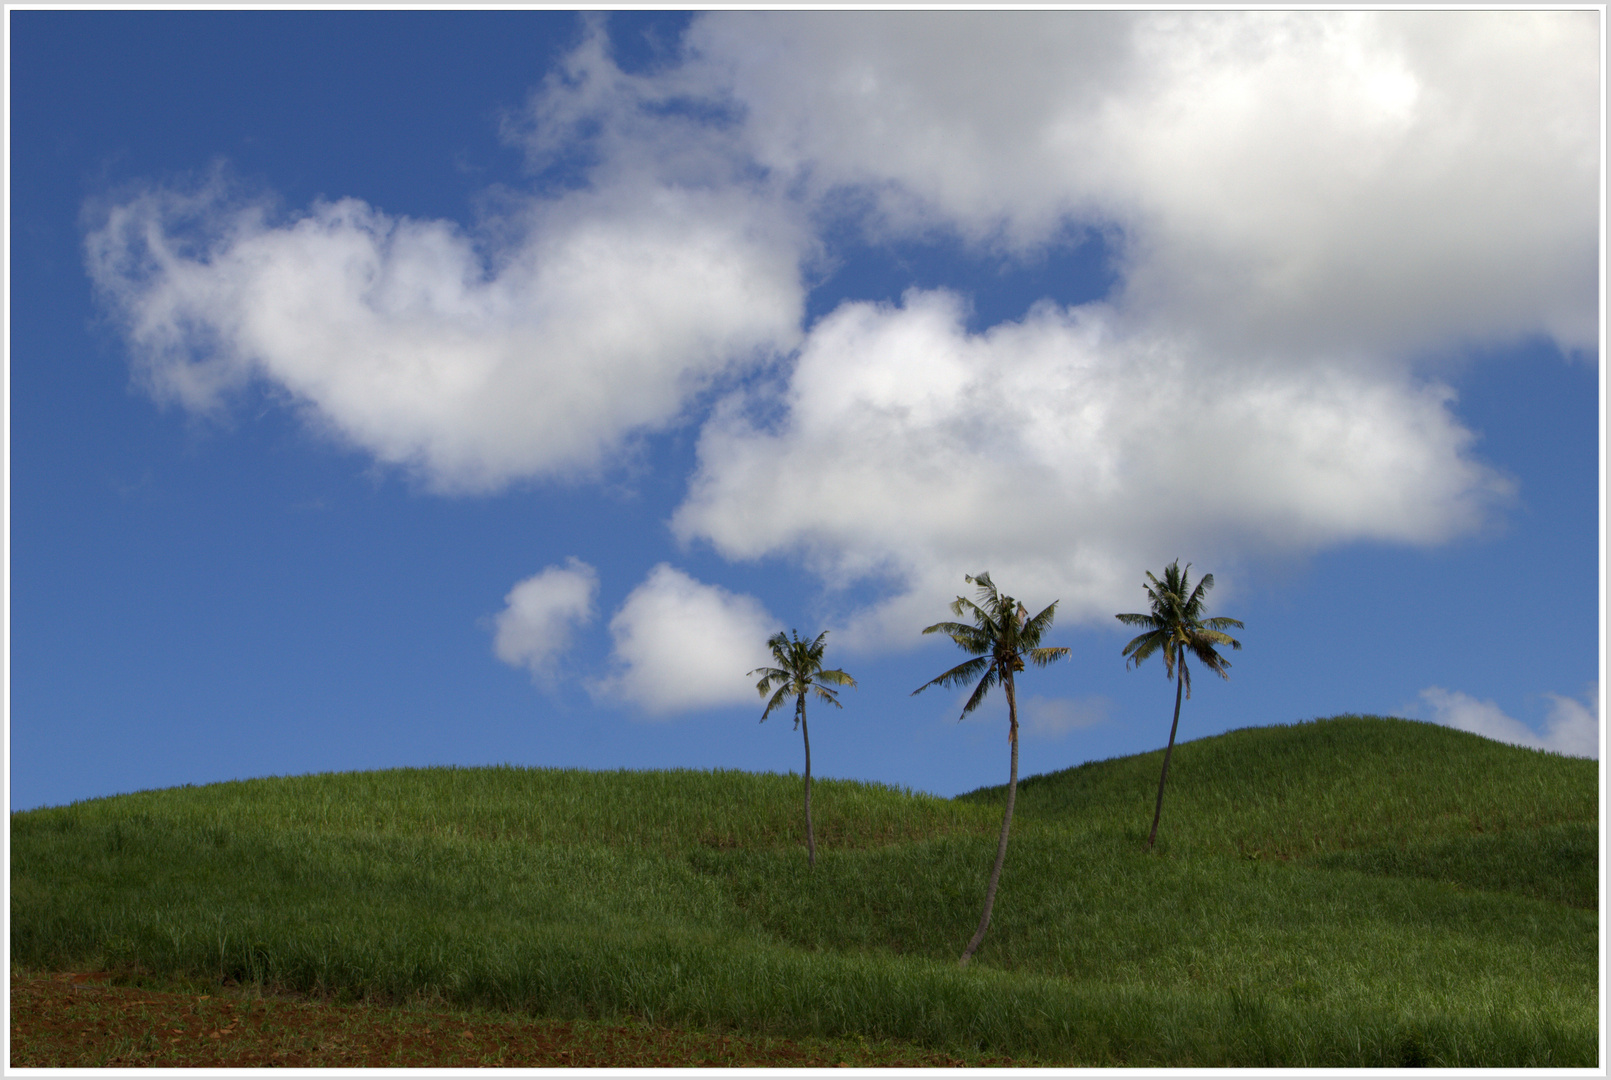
x=1354, y=891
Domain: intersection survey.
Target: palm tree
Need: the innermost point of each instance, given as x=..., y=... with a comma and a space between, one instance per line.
x=1176, y=626
x=1001, y=636
x=799, y=672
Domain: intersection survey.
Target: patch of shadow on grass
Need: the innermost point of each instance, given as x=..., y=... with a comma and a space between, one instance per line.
x=1558, y=863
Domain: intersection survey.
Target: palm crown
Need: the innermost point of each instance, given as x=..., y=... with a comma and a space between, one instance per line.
x=799, y=672
x=1176, y=623
x=1001, y=636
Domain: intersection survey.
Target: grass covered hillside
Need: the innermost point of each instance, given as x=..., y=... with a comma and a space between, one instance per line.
x=1355, y=891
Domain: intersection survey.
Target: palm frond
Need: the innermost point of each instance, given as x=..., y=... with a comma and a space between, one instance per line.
x=1144, y=645
x=1204, y=651
x=990, y=679
x=827, y=695
x=968, y=638
x=1140, y=620
x=777, y=699
x=987, y=588
x=962, y=607
x=952, y=628
x=1034, y=628
x=768, y=676
x=961, y=673
x=1042, y=657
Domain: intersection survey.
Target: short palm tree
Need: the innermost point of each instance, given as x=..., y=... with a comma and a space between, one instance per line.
x=799, y=672
x=1001, y=636
x=1175, y=627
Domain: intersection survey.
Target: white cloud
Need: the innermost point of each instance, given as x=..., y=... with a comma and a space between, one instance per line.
x=601, y=318
x=681, y=645
x=540, y=613
x=1065, y=459
x=1303, y=204
x=1379, y=181
x=1572, y=729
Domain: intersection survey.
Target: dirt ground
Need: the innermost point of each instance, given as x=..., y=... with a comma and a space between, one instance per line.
x=79, y=1020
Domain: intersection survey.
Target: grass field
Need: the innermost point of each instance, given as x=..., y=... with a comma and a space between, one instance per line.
x=1347, y=892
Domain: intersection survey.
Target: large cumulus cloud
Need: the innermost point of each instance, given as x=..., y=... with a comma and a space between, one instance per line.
x=1063, y=459
x=1307, y=211
x=1368, y=180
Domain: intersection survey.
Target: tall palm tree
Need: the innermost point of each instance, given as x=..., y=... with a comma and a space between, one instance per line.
x=1001, y=637
x=799, y=672
x=1176, y=626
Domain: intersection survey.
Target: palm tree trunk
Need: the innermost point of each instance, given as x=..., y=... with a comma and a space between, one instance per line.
x=1180, y=677
x=1006, y=823
x=811, y=839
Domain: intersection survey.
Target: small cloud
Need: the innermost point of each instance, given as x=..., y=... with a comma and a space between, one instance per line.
x=1573, y=729
x=539, y=614
x=681, y=644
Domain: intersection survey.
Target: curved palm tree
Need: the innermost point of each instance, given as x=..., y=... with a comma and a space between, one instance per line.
x=1175, y=626
x=1001, y=637
x=799, y=672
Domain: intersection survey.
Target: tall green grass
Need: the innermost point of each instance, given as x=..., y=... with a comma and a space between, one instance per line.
x=1286, y=919
x=1344, y=783
x=669, y=809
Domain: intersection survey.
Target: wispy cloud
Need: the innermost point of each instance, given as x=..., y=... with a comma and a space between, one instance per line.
x=1052, y=718
x=1573, y=727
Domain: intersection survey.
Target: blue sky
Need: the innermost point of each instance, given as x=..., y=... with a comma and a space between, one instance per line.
x=424, y=388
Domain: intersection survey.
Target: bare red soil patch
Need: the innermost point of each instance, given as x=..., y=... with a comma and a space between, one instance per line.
x=79, y=1020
